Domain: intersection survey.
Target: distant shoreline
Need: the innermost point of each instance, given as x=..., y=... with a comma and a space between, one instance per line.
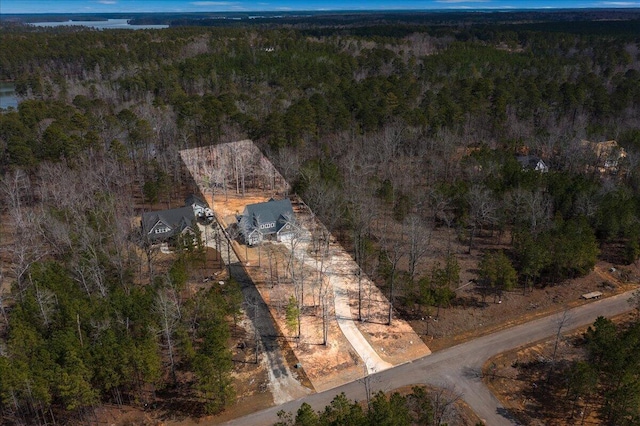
x=329, y=17
x=102, y=16
x=110, y=23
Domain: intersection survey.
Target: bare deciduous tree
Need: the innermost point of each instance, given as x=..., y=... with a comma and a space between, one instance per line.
x=3, y=297
x=443, y=401
x=561, y=322
x=26, y=247
x=482, y=210
x=634, y=301
x=326, y=298
x=288, y=162
x=538, y=209
x=254, y=306
x=418, y=239
x=529, y=209
x=15, y=190
x=46, y=300
x=393, y=247
x=298, y=276
x=166, y=307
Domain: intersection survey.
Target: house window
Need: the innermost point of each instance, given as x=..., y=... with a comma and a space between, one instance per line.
x=267, y=225
x=161, y=230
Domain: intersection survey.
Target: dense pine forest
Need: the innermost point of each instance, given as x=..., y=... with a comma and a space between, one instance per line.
x=424, y=121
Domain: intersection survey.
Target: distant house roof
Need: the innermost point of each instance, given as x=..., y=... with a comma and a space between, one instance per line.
x=532, y=162
x=161, y=225
x=269, y=217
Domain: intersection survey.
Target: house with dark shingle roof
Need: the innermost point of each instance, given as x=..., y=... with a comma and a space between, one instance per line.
x=532, y=162
x=160, y=226
x=270, y=219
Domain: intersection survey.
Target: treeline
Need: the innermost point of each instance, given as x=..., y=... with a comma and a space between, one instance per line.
x=374, y=19
x=282, y=87
x=419, y=407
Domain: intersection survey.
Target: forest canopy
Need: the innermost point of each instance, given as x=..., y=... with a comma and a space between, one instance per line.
x=425, y=120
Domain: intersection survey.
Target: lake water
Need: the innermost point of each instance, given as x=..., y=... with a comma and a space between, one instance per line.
x=109, y=24
x=8, y=95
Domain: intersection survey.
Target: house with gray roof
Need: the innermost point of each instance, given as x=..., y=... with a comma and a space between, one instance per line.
x=200, y=208
x=161, y=226
x=532, y=162
x=271, y=219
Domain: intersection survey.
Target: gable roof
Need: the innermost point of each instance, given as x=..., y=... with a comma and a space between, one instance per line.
x=193, y=199
x=177, y=219
x=278, y=212
x=531, y=162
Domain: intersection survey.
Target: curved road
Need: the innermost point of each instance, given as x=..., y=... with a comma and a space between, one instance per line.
x=458, y=366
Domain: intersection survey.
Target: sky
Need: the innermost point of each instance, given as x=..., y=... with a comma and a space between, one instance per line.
x=126, y=6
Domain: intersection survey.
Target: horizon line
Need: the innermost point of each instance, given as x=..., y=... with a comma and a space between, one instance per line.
x=290, y=11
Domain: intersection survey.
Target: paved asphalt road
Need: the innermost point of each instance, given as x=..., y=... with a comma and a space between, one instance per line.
x=458, y=366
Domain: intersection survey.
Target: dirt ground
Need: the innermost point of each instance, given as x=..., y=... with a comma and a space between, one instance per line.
x=326, y=365
x=267, y=266
x=518, y=378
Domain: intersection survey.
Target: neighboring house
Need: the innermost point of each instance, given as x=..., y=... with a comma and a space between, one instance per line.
x=161, y=226
x=273, y=218
x=200, y=208
x=532, y=162
x=608, y=154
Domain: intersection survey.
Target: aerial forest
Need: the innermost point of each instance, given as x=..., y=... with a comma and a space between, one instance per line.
x=409, y=126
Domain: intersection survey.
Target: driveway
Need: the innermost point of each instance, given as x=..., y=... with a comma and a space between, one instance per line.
x=283, y=384
x=337, y=262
